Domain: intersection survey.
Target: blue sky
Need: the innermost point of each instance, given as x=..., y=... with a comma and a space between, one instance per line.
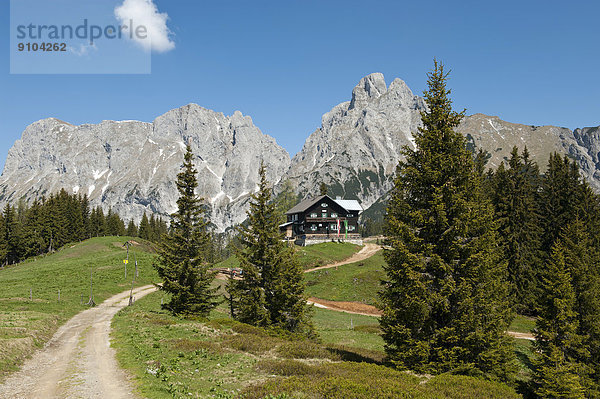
x=285, y=63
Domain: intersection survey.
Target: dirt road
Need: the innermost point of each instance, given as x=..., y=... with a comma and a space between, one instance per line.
x=367, y=251
x=78, y=361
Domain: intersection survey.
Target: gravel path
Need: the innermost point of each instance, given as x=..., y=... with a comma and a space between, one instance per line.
x=366, y=252
x=78, y=361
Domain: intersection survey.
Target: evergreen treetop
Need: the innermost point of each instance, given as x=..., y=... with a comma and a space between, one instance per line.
x=182, y=262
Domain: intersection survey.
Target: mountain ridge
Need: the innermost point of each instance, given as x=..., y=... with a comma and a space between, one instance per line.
x=131, y=166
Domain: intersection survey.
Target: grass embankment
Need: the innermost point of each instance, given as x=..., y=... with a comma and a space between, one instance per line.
x=26, y=324
x=312, y=255
x=355, y=282
x=175, y=357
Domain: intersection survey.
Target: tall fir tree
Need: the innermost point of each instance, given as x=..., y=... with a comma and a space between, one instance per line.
x=132, y=230
x=11, y=251
x=285, y=200
x=560, y=198
x=516, y=203
x=144, y=230
x=182, y=256
x=445, y=303
x=558, y=373
x=323, y=189
x=271, y=292
x=581, y=261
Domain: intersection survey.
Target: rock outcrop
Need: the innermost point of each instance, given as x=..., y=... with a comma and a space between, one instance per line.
x=357, y=147
x=132, y=166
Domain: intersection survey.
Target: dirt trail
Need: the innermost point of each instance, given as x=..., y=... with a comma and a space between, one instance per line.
x=367, y=251
x=518, y=335
x=346, y=307
x=369, y=310
x=78, y=361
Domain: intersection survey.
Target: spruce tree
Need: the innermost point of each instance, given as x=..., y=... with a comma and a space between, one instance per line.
x=444, y=300
x=144, y=230
x=581, y=261
x=11, y=240
x=182, y=262
x=558, y=373
x=271, y=291
x=560, y=198
x=285, y=200
x=323, y=189
x=515, y=201
x=132, y=230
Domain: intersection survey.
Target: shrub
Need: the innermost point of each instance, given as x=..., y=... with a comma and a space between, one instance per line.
x=286, y=368
x=254, y=344
x=190, y=345
x=368, y=381
x=305, y=350
x=358, y=355
x=368, y=328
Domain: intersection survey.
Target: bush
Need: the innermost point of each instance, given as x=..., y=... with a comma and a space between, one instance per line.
x=254, y=344
x=357, y=355
x=368, y=381
x=368, y=328
x=305, y=350
x=190, y=345
x=286, y=368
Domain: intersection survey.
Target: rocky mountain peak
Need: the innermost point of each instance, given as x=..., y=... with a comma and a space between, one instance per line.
x=131, y=166
x=358, y=145
x=370, y=87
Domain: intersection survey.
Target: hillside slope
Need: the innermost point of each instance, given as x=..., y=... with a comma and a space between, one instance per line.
x=27, y=322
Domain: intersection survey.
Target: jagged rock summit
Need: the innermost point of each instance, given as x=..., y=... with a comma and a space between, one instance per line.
x=131, y=166
x=357, y=147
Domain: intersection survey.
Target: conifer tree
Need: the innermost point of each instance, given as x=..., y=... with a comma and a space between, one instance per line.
x=558, y=372
x=560, y=198
x=323, y=189
x=515, y=201
x=132, y=230
x=11, y=240
x=144, y=230
x=444, y=300
x=285, y=200
x=581, y=261
x=182, y=261
x=271, y=292
x=153, y=231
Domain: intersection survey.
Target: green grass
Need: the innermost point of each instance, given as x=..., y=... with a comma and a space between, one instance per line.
x=355, y=282
x=348, y=329
x=171, y=357
x=26, y=325
x=217, y=357
x=524, y=352
x=522, y=324
x=323, y=254
x=312, y=255
x=368, y=381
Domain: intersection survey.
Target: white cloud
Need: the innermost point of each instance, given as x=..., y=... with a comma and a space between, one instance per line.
x=83, y=49
x=144, y=13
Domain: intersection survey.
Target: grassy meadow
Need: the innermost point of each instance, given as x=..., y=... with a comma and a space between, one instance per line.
x=355, y=282
x=26, y=324
x=312, y=255
x=171, y=357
